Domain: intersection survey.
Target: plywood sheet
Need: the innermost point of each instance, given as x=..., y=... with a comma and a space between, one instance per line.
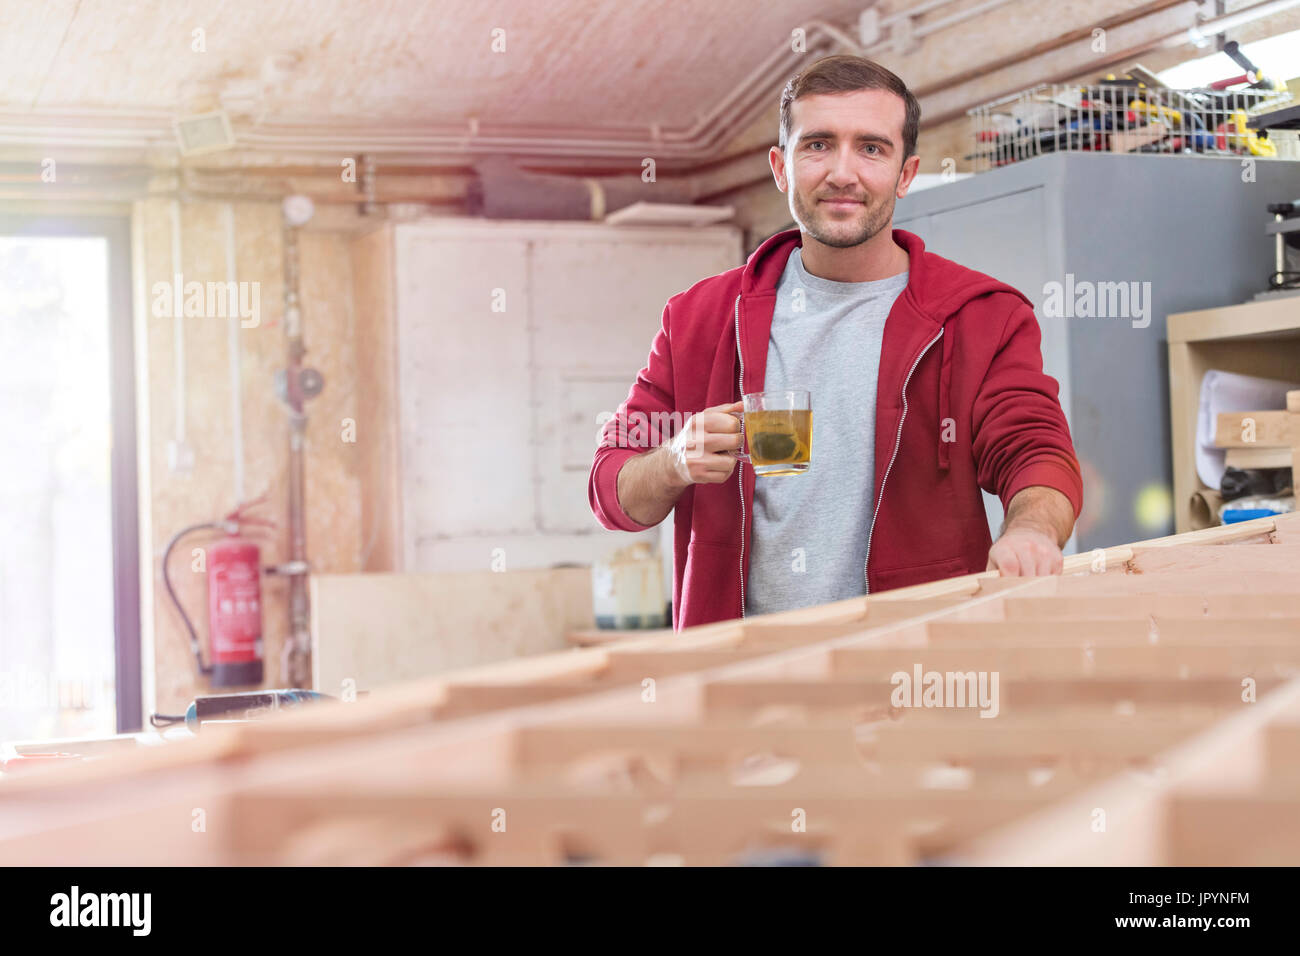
x=378, y=629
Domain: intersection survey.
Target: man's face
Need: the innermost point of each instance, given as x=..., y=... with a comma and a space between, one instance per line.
x=843, y=165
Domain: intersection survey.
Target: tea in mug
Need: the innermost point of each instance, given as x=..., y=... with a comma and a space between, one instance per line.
x=780, y=440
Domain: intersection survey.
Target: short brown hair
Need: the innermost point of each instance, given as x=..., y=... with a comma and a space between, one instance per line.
x=846, y=74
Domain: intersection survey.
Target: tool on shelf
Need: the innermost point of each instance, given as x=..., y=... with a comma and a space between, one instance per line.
x=1137, y=113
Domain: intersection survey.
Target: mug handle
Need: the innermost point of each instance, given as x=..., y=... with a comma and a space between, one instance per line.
x=739, y=454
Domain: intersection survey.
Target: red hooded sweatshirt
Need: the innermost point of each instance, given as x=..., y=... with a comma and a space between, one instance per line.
x=958, y=345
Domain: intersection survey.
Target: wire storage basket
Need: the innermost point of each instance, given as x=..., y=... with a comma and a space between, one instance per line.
x=1127, y=116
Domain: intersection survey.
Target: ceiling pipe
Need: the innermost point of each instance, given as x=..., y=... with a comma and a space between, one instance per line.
x=958, y=18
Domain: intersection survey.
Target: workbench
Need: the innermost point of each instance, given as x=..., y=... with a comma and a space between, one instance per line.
x=1145, y=711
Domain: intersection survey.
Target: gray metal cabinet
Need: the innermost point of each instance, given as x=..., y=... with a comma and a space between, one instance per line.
x=1191, y=227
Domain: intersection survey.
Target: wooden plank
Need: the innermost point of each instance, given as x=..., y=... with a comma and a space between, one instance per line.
x=403, y=828
x=1217, y=560
x=546, y=828
x=466, y=699
x=376, y=629
x=774, y=636
x=559, y=743
x=1251, y=457
x=590, y=637
x=1282, y=750
x=1265, y=318
x=1287, y=529
x=1243, y=531
x=1235, y=826
x=1263, y=429
x=635, y=667
x=1284, y=631
x=724, y=698
x=1165, y=661
x=1115, y=823
x=1019, y=633
x=1134, y=606
x=830, y=744
x=1193, y=584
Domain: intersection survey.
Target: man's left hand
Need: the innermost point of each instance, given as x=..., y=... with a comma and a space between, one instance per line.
x=1025, y=552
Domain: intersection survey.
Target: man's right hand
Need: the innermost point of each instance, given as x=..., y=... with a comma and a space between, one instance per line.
x=649, y=484
x=702, y=452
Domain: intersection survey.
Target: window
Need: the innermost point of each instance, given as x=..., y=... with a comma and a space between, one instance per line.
x=1275, y=56
x=69, y=587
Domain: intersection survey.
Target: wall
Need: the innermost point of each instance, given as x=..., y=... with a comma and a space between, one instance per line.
x=170, y=501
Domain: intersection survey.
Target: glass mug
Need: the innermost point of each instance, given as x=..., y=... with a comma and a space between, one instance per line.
x=777, y=427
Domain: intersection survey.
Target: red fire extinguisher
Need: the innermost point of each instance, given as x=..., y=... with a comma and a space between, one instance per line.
x=234, y=571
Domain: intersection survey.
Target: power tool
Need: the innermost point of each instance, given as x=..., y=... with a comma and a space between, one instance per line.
x=237, y=708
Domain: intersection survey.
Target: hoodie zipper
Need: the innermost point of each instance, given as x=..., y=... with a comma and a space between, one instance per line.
x=740, y=466
x=898, y=440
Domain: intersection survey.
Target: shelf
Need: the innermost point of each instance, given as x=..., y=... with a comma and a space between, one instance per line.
x=1258, y=338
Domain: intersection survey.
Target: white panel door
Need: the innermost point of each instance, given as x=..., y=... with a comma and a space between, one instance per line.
x=463, y=372
x=500, y=411
x=598, y=300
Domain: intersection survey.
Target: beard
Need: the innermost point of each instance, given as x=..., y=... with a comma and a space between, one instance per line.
x=838, y=230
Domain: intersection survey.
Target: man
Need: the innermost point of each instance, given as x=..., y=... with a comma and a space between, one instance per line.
x=926, y=378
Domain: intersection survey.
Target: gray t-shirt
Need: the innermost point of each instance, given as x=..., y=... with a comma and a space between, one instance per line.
x=809, y=544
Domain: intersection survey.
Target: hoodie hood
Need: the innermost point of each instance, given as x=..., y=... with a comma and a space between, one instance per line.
x=937, y=287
